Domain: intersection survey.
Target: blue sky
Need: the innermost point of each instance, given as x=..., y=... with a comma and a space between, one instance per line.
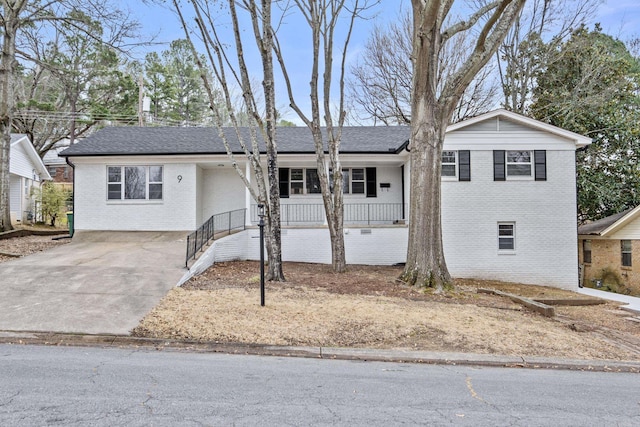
x=620, y=18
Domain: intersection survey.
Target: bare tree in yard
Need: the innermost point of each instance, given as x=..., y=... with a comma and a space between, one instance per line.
x=323, y=18
x=228, y=60
x=525, y=51
x=380, y=83
x=431, y=112
x=15, y=16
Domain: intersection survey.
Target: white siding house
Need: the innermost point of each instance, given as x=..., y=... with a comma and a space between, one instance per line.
x=26, y=170
x=508, y=193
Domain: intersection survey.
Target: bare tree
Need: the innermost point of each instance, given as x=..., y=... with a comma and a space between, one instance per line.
x=228, y=60
x=526, y=50
x=431, y=110
x=323, y=18
x=17, y=15
x=380, y=83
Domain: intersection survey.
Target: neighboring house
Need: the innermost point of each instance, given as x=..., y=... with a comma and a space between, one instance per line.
x=61, y=173
x=611, y=245
x=508, y=193
x=26, y=171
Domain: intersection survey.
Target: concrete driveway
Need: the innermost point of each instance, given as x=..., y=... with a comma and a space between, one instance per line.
x=100, y=283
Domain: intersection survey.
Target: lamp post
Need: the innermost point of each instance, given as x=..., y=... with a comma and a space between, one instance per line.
x=261, y=225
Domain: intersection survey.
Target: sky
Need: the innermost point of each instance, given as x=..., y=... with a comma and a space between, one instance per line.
x=619, y=18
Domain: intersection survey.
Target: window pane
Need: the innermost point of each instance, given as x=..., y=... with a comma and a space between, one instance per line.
x=357, y=174
x=155, y=174
x=155, y=191
x=297, y=175
x=114, y=191
x=626, y=245
x=505, y=243
x=505, y=230
x=518, y=157
x=519, y=170
x=297, y=188
x=448, y=170
x=448, y=157
x=313, y=182
x=626, y=260
x=357, y=187
x=135, y=182
x=115, y=174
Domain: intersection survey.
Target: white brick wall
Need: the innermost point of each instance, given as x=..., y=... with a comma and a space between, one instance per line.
x=176, y=211
x=544, y=213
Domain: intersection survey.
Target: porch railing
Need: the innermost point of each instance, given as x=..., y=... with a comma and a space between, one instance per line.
x=218, y=225
x=354, y=213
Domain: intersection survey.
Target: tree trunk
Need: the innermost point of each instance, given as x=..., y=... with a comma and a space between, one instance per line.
x=7, y=66
x=425, y=266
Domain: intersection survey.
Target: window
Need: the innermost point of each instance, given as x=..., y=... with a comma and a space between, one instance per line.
x=134, y=183
x=306, y=181
x=586, y=251
x=519, y=164
x=456, y=164
x=506, y=236
x=625, y=247
x=448, y=163
x=357, y=181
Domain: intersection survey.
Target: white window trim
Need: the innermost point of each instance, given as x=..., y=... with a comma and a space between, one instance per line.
x=531, y=163
x=513, y=237
x=304, y=183
x=122, y=199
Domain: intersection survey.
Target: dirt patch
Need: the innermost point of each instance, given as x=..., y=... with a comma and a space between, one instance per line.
x=22, y=246
x=367, y=307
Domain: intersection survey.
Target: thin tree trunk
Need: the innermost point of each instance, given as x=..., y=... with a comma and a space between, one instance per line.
x=11, y=11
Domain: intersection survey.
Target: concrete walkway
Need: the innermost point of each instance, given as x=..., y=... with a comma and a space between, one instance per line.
x=100, y=283
x=629, y=303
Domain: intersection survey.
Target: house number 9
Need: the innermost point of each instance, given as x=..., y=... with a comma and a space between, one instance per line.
x=179, y=178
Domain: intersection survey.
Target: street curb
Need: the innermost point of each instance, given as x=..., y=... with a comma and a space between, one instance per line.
x=333, y=353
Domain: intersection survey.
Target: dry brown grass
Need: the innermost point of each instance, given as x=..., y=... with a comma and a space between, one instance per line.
x=367, y=308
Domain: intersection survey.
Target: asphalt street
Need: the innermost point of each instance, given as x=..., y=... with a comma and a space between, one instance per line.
x=73, y=386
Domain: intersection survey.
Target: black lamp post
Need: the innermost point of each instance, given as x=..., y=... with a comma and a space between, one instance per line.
x=261, y=225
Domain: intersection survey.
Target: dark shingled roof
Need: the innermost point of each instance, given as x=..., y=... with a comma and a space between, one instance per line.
x=136, y=141
x=597, y=227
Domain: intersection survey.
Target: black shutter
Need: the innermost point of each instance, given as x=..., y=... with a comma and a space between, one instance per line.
x=371, y=182
x=499, y=171
x=283, y=178
x=540, y=157
x=464, y=165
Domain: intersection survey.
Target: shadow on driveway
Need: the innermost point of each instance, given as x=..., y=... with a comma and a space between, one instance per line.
x=100, y=283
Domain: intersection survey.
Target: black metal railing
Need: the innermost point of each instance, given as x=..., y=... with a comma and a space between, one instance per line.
x=218, y=225
x=354, y=213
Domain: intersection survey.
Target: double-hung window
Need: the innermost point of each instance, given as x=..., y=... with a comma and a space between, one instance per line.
x=353, y=180
x=134, y=182
x=304, y=181
x=519, y=164
x=449, y=164
x=506, y=236
x=456, y=164
x=625, y=249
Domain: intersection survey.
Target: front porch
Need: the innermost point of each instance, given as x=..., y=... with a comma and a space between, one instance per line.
x=355, y=214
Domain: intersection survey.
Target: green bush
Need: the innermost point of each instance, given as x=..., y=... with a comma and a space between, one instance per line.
x=53, y=201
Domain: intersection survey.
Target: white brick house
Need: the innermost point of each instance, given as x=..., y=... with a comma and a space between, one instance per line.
x=508, y=193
